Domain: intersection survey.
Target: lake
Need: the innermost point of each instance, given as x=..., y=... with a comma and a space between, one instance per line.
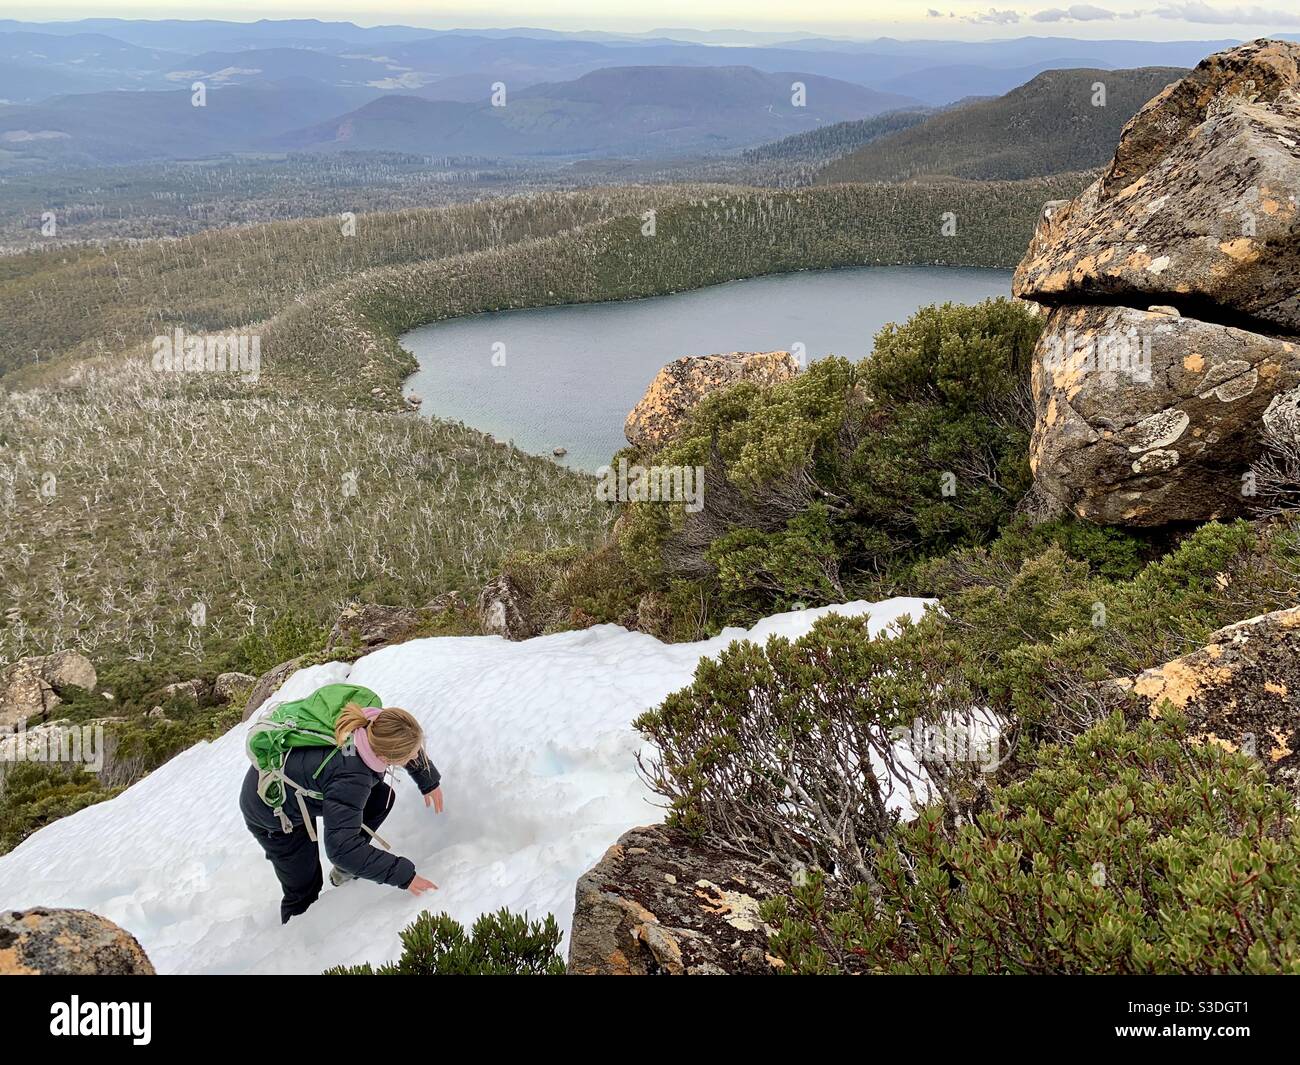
x=567, y=376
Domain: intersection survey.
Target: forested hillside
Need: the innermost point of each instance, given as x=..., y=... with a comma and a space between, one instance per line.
x=1062, y=120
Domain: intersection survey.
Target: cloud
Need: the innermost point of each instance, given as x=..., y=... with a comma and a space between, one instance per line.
x=1239, y=14
x=932, y=13
x=1075, y=13
x=993, y=15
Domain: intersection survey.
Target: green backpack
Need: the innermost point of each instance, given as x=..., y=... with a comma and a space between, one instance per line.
x=305, y=722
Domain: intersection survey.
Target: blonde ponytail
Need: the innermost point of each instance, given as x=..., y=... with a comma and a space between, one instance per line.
x=351, y=719
x=394, y=734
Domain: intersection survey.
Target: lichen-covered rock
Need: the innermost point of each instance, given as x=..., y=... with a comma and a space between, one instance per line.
x=69, y=669
x=1213, y=228
x=269, y=683
x=55, y=942
x=1240, y=691
x=31, y=687
x=1256, y=71
x=659, y=904
x=370, y=626
x=228, y=685
x=503, y=611
x=1144, y=417
x=1175, y=286
x=680, y=385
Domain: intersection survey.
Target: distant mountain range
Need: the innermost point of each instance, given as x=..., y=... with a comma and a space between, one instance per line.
x=629, y=111
x=636, y=111
x=99, y=91
x=41, y=59
x=1054, y=124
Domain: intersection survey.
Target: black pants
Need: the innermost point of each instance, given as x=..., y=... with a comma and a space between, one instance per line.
x=296, y=858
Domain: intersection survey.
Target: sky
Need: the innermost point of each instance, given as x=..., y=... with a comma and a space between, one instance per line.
x=1133, y=19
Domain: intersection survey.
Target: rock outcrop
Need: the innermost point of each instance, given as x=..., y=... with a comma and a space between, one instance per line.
x=503, y=611
x=369, y=626
x=680, y=385
x=31, y=687
x=658, y=904
x=50, y=942
x=1174, y=288
x=228, y=685
x=269, y=683
x=1240, y=691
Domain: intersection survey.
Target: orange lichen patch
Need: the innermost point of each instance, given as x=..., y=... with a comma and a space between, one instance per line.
x=1049, y=418
x=1276, y=689
x=735, y=907
x=1269, y=370
x=1194, y=362
x=1203, y=738
x=1138, y=260
x=1178, y=681
x=1242, y=249
x=1281, y=750
x=11, y=966
x=1130, y=190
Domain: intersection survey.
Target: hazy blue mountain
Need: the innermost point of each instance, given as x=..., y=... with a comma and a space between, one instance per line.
x=104, y=54
x=120, y=127
x=1048, y=126
x=633, y=111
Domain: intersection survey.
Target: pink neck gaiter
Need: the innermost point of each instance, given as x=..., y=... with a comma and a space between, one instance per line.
x=362, y=743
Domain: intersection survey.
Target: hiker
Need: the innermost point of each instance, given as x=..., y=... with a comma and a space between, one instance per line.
x=326, y=757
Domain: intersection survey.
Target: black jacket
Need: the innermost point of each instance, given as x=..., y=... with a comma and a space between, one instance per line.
x=346, y=782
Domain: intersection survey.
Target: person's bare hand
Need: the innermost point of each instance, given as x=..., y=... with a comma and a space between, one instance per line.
x=419, y=885
x=434, y=799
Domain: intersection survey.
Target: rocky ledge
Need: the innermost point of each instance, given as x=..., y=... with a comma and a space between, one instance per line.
x=52, y=942
x=658, y=903
x=1173, y=340
x=678, y=388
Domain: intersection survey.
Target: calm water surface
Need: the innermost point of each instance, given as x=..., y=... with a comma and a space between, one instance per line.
x=567, y=376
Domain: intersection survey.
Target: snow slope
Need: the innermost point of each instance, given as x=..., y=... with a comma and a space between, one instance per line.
x=537, y=753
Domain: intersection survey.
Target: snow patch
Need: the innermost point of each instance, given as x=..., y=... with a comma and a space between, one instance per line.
x=537, y=751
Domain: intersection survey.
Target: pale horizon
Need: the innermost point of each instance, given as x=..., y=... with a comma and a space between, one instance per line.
x=1122, y=20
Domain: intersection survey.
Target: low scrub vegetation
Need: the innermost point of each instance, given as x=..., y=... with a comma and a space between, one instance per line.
x=499, y=944
x=1126, y=851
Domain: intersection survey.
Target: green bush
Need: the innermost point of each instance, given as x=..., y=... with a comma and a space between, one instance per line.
x=500, y=944
x=1124, y=852
x=291, y=634
x=789, y=749
x=1040, y=632
x=829, y=482
x=35, y=794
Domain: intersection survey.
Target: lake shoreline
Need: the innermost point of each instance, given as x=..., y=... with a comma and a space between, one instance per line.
x=574, y=370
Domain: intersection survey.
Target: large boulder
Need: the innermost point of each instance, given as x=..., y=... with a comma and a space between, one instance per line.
x=50, y=942
x=1240, y=691
x=1147, y=417
x=31, y=687
x=680, y=386
x=503, y=610
x=366, y=627
x=270, y=682
x=659, y=904
x=229, y=685
x=1174, y=288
